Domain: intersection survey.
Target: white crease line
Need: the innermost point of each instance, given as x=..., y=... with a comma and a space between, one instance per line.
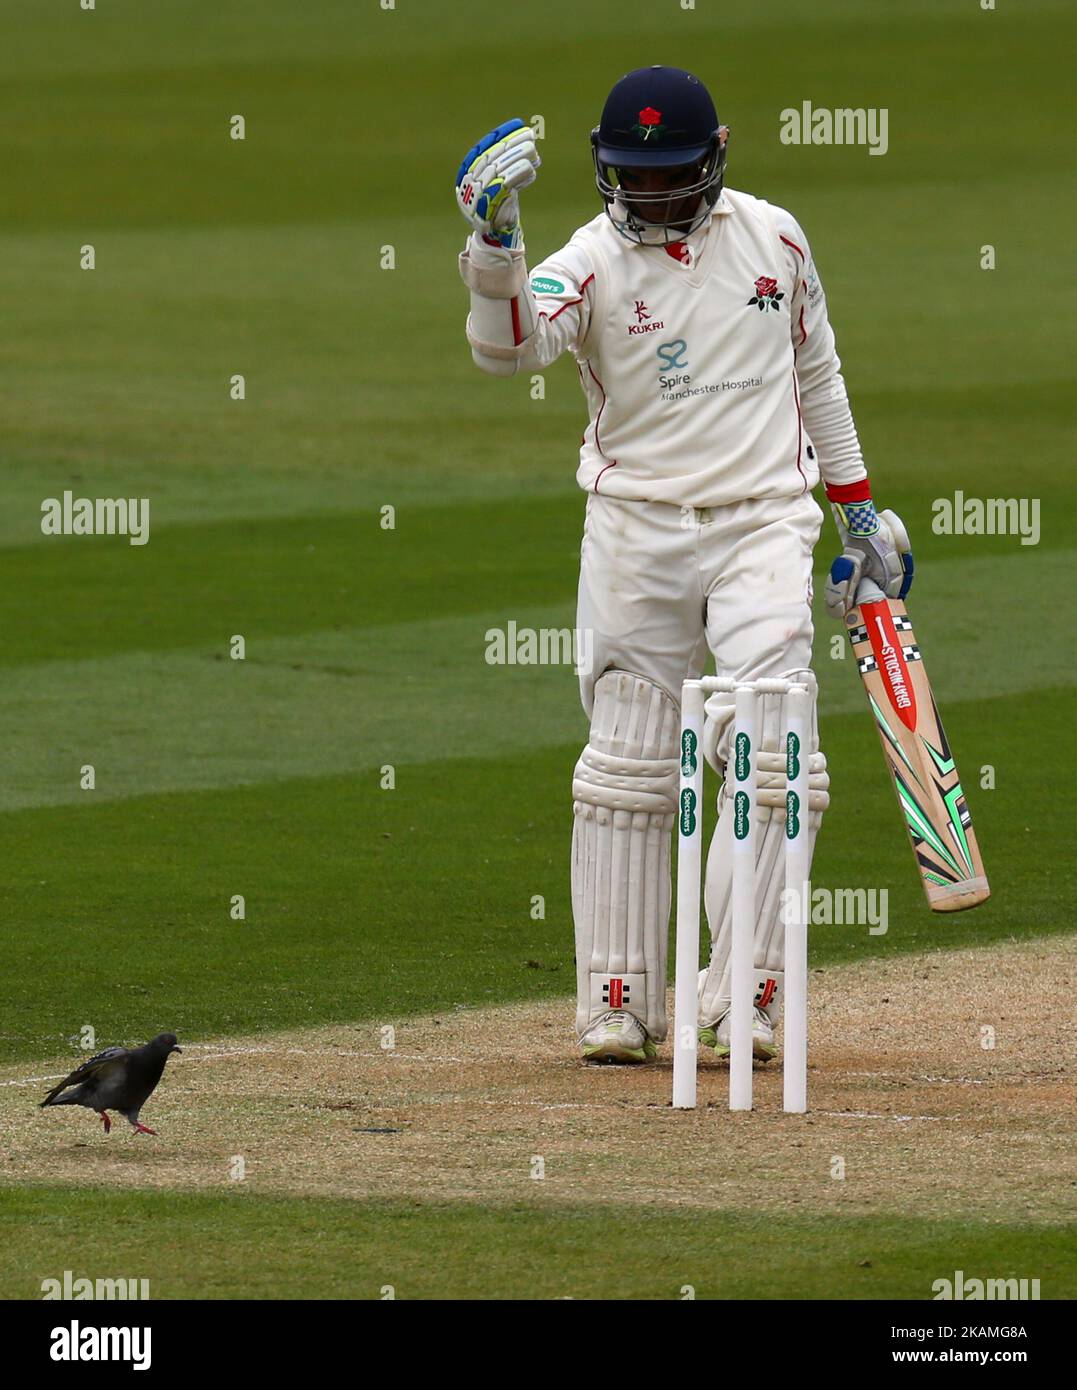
x=867, y=1115
x=389, y=1107
x=35, y=1080
x=260, y=1051
x=315, y=1052
x=212, y=1054
x=907, y=1077
x=522, y=1104
x=621, y=1105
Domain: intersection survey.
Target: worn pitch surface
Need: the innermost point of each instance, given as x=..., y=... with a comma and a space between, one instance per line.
x=934, y=1092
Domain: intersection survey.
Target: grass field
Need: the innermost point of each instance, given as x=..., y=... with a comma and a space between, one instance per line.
x=339, y=1249
x=364, y=645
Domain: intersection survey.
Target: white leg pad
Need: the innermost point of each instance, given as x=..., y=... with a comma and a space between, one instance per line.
x=625, y=798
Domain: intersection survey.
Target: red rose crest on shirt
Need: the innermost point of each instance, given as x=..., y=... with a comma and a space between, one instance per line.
x=766, y=295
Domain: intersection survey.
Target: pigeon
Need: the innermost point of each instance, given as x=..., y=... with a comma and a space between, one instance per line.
x=120, y=1078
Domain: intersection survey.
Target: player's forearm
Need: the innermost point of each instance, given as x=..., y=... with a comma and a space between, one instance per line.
x=829, y=423
x=824, y=402
x=504, y=328
x=502, y=317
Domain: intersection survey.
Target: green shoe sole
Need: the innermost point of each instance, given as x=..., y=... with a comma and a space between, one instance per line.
x=634, y=1054
x=762, y=1052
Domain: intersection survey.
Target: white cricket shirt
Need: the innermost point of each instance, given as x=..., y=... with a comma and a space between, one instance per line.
x=710, y=376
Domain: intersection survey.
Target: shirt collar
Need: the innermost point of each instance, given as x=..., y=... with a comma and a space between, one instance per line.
x=722, y=208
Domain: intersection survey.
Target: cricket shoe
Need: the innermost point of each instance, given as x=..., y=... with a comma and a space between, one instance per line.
x=764, y=1047
x=617, y=1037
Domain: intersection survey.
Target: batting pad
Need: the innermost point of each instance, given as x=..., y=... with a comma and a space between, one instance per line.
x=625, y=796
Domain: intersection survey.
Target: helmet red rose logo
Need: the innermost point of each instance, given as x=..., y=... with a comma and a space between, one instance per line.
x=649, y=123
x=766, y=294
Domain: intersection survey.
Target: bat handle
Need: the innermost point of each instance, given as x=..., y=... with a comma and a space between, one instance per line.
x=867, y=591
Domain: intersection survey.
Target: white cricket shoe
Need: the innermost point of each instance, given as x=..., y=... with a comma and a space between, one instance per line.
x=617, y=1037
x=764, y=1047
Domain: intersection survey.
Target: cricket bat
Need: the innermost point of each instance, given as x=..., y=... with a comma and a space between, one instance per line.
x=917, y=753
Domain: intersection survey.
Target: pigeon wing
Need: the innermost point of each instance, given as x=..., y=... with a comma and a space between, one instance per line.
x=103, y=1065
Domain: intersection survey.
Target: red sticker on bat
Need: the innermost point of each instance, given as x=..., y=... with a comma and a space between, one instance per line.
x=890, y=659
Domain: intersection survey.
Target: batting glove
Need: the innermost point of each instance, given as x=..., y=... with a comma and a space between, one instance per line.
x=875, y=545
x=490, y=177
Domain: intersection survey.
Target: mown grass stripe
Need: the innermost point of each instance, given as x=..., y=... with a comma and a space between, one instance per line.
x=214, y=1245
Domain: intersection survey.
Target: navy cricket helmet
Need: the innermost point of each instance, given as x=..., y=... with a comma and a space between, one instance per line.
x=657, y=117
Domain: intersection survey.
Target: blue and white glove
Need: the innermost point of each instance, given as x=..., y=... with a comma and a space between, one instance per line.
x=490, y=177
x=875, y=545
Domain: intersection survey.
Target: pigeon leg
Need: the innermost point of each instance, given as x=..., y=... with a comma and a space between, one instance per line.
x=142, y=1129
x=105, y=1120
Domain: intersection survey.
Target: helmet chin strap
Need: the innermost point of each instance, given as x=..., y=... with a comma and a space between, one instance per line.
x=635, y=228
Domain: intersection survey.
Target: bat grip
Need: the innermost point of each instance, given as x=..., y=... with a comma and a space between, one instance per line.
x=867, y=591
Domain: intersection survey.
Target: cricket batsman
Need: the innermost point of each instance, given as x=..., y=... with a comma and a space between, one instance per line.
x=699, y=328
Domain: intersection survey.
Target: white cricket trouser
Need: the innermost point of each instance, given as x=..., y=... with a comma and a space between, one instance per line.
x=661, y=584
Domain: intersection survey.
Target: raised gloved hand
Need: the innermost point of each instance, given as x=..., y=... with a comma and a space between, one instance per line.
x=875, y=545
x=490, y=178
